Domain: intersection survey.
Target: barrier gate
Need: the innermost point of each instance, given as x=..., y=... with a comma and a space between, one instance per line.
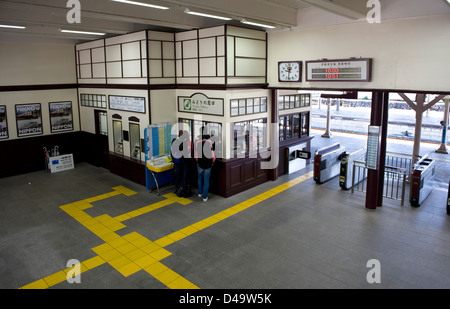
x=327, y=162
x=422, y=180
x=394, y=181
x=347, y=163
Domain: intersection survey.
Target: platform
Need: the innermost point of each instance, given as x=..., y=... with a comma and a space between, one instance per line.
x=287, y=234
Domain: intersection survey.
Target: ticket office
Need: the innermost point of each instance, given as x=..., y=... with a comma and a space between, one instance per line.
x=242, y=136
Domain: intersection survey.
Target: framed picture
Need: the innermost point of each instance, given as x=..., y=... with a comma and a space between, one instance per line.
x=29, y=119
x=61, y=118
x=3, y=123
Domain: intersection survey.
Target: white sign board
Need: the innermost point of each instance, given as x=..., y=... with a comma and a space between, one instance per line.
x=61, y=163
x=346, y=70
x=373, y=145
x=129, y=104
x=199, y=103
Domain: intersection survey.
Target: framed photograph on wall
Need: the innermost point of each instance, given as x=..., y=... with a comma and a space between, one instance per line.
x=29, y=119
x=61, y=118
x=3, y=123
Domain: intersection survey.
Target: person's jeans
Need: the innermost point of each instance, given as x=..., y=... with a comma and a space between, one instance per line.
x=203, y=181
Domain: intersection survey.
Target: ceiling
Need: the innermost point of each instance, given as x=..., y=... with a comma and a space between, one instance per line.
x=43, y=19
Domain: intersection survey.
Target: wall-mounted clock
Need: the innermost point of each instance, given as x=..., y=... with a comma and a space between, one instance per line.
x=290, y=71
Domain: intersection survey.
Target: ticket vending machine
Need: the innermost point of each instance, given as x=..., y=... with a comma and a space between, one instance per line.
x=422, y=181
x=327, y=162
x=347, y=163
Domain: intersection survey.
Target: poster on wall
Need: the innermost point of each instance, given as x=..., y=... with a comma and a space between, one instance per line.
x=129, y=104
x=61, y=116
x=29, y=119
x=3, y=123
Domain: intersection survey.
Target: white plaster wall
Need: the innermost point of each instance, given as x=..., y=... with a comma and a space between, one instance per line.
x=44, y=97
x=23, y=63
x=88, y=121
x=408, y=53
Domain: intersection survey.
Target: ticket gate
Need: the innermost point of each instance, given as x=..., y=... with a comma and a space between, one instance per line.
x=422, y=181
x=347, y=164
x=327, y=162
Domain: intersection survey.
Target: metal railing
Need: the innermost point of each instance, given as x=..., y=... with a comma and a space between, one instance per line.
x=394, y=181
x=400, y=160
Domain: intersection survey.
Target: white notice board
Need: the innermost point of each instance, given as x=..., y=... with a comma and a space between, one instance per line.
x=61, y=163
x=129, y=104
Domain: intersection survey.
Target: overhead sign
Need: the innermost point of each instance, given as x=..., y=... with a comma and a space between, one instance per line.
x=199, y=103
x=343, y=70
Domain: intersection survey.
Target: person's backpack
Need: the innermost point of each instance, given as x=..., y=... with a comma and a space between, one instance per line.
x=204, y=153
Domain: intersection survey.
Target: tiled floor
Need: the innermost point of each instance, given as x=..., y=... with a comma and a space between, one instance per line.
x=288, y=234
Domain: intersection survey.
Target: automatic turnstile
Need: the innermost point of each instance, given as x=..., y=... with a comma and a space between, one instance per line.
x=347, y=163
x=327, y=162
x=422, y=181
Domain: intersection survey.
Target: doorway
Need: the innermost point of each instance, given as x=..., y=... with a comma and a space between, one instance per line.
x=101, y=148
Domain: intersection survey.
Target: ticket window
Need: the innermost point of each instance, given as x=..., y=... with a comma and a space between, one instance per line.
x=118, y=136
x=135, y=141
x=213, y=129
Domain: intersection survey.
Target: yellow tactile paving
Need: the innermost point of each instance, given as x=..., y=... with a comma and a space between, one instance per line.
x=37, y=285
x=133, y=252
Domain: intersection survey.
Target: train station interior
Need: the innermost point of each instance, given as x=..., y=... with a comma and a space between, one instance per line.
x=328, y=121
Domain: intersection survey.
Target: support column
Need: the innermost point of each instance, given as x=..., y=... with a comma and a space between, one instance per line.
x=327, y=131
x=443, y=147
x=373, y=176
x=274, y=132
x=383, y=147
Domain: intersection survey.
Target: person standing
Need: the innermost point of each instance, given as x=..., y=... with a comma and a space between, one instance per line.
x=204, y=156
x=181, y=157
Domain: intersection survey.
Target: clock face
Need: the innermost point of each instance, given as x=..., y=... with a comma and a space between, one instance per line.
x=289, y=71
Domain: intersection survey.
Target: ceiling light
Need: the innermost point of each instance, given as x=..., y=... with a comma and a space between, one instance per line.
x=323, y=92
x=82, y=32
x=142, y=4
x=187, y=11
x=257, y=24
x=447, y=1
x=12, y=27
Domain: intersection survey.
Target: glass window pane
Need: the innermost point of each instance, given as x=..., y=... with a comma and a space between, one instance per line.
x=296, y=125
x=118, y=138
x=297, y=101
x=263, y=105
x=103, y=123
x=281, y=129
x=240, y=138
x=305, y=124
x=135, y=141
x=292, y=101
x=288, y=127
x=256, y=102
